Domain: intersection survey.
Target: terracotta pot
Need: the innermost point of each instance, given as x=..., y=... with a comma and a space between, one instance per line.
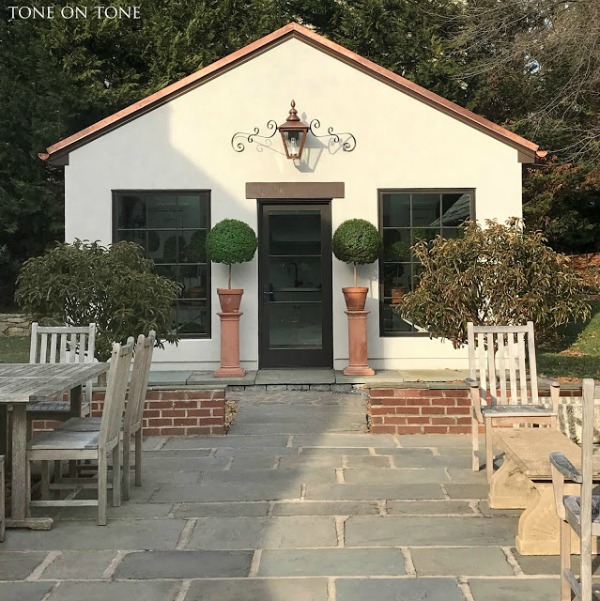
x=230, y=299
x=355, y=298
x=397, y=294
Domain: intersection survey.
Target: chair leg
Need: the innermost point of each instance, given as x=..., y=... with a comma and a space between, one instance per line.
x=126, y=465
x=116, y=475
x=102, y=486
x=489, y=451
x=45, y=479
x=28, y=484
x=565, y=560
x=138, y=457
x=475, y=443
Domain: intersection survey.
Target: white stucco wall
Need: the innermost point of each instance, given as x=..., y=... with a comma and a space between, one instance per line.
x=185, y=144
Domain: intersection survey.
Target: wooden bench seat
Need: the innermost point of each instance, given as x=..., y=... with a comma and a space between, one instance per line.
x=524, y=481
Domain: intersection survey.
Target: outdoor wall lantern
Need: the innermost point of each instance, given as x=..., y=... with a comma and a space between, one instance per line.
x=293, y=133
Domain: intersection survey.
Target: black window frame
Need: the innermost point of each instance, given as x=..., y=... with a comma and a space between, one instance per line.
x=409, y=191
x=117, y=194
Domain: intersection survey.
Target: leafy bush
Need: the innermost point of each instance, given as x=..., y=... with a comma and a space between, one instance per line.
x=497, y=275
x=357, y=241
x=231, y=241
x=84, y=282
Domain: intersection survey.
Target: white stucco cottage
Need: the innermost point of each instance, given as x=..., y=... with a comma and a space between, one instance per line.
x=161, y=171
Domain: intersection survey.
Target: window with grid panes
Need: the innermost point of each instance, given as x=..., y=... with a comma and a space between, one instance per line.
x=171, y=227
x=406, y=217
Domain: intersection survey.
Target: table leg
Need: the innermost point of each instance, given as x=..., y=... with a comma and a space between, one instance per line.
x=509, y=488
x=20, y=476
x=3, y=430
x=539, y=526
x=75, y=398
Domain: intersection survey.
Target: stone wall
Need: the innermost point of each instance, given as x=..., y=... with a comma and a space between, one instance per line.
x=15, y=324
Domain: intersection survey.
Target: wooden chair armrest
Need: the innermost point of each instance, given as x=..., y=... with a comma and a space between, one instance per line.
x=565, y=467
x=561, y=468
x=475, y=394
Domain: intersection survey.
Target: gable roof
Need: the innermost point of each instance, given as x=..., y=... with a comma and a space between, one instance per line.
x=58, y=154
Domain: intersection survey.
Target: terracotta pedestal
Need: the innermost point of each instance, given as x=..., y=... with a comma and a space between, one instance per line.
x=357, y=344
x=230, y=347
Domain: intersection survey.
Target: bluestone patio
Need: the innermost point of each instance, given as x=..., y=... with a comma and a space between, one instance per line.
x=296, y=503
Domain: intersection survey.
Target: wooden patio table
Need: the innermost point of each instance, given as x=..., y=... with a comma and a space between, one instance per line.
x=22, y=383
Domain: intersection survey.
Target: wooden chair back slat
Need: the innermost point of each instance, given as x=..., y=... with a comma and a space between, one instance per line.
x=43, y=349
x=136, y=398
x=502, y=375
x=63, y=348
x=63, y=344
x=53, y=339
x=114, y=399
x=502, y=359
x=512, y=364
x=532, y=364
x=522, y=369
x=493, y=387
x=481, y=375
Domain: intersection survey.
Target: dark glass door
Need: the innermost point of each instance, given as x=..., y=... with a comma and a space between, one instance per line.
x=295, y=323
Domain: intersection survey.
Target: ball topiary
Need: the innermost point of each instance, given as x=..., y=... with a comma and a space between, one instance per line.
x=231, y=241
x=357, y=241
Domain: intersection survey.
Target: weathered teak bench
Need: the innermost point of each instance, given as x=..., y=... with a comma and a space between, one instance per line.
x=524, y=481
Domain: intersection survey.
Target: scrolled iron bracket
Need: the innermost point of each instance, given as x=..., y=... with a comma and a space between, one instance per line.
x=349, y=143
x=238, y=145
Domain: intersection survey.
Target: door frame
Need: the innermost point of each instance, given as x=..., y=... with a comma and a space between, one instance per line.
x=296, y=358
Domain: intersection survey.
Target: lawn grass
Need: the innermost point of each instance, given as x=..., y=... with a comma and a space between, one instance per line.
x=577, y=352
x=14, y=349
x=575, y=355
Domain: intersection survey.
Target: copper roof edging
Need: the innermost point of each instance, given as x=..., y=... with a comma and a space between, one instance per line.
x=60, y=150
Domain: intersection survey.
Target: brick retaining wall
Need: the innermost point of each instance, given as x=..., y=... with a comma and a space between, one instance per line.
x=419, y=411
x=440, y=411
x=171, y=413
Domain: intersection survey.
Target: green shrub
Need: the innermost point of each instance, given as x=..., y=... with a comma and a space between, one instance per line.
x=115, y=287
x=357, y=241
x=497, y=275
x=231, y=241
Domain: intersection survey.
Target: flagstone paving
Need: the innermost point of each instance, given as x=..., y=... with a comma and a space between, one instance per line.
x=297, y=503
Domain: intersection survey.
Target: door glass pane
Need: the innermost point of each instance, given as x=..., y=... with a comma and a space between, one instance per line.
x=295, y=233
x=295, y=324
x=294, y=280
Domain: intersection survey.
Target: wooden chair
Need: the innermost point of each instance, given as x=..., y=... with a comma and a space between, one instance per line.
x=580, y=513
x=134, y=412
x=95, y=445
x=66, y=344
x=2, y=501
x=500, y=360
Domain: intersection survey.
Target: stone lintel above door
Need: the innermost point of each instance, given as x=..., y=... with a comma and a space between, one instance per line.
x=295, y=190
